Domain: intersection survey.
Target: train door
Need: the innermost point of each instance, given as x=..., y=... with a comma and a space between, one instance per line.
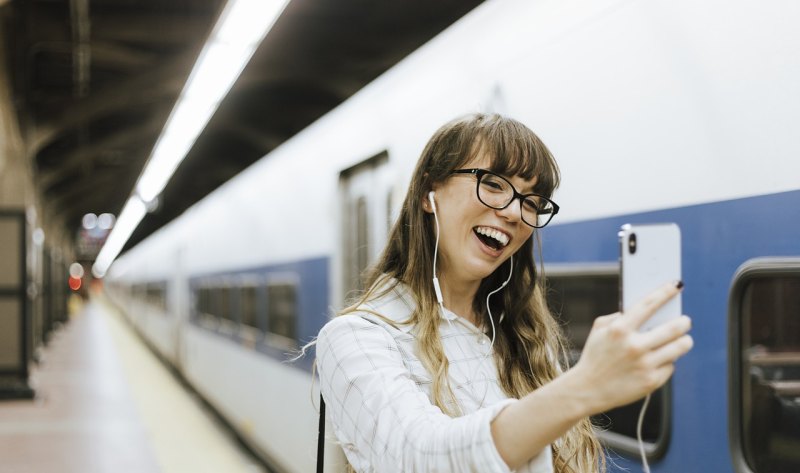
x=366, y=202
x=365, y=213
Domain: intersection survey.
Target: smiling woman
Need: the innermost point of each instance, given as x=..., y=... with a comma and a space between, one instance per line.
x=418, y=372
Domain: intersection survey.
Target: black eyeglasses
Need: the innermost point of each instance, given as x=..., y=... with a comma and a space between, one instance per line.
x=496, y=192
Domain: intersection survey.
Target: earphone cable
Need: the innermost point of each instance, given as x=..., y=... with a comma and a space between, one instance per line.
x=645, y=465
x=436, y=286
x=489, y=309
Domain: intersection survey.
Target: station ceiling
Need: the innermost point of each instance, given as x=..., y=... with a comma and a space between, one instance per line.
x=93, y=82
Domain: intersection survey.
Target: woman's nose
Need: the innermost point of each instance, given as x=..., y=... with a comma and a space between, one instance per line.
x=511, y=212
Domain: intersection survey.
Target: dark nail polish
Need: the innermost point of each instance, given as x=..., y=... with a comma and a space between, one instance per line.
x=679, y=284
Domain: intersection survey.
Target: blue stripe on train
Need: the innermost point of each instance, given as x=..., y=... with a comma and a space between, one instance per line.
x=717, y=238
x=312, y=302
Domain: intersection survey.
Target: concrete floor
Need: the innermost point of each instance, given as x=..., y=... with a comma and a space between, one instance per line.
x=105, y=403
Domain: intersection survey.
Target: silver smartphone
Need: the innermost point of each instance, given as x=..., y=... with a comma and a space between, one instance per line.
x=650, y=256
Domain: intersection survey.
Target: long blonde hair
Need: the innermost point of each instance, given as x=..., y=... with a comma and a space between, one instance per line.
x=529, y=349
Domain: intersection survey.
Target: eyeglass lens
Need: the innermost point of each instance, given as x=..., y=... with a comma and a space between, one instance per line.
x=496, y=192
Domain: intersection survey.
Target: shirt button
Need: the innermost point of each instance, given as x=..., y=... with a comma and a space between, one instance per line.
x=482, y=340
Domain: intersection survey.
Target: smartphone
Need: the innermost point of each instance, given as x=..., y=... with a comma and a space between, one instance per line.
x=650, y=256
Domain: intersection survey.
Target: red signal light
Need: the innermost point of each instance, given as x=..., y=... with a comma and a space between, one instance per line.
x=74, y=283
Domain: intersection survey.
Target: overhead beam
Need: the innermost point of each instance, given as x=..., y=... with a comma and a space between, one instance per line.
x=157, y=84
x=84, y=155
x=83, y=194
x=163, y=31
x=119, y=56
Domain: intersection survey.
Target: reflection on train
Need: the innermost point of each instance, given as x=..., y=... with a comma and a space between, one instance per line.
x=664, y=111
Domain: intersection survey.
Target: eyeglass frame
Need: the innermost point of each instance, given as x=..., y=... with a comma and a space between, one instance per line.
x=479, y=173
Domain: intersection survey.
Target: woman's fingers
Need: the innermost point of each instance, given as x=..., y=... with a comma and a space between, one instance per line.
x=644, y=309
x=604, y=320
x=662, y=375
x=670, y=352
x=665, y=333
x=618, y=355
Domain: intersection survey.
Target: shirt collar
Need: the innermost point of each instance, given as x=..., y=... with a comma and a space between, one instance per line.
x=398, y=304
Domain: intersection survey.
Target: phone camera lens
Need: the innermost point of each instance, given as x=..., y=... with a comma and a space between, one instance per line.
x=632, y=243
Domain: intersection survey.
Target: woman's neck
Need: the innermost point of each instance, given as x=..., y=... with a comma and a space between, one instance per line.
x=458, y=297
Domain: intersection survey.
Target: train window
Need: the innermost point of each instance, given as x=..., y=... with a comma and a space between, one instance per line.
x=576, y=296
x=156, y=295
x=137, y=291
x=282, y=311
x=249, y=306
x=151, y=294
x=197, y=303
x=202, y=300
x=765, y=362
x=224, y=307
x=362, y=239
x=578, y=299
x=206, y=311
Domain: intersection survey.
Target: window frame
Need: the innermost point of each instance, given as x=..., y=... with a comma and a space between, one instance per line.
x=750, y=270
x=615, y=441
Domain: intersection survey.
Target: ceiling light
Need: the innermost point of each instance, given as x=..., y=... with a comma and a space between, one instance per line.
x=128, y=220
x=240, y=29
x=238, y=32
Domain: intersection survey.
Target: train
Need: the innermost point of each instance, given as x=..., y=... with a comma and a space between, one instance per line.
x=662, y=111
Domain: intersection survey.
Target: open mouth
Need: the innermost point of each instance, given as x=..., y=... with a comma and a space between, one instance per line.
x=492, y=238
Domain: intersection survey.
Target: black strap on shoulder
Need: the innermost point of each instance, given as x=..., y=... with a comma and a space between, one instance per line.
x=321, y=438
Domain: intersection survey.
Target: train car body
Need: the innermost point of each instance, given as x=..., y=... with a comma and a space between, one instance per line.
x=663, y=111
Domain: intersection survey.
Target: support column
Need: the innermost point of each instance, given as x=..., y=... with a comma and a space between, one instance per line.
x=14, y=326
x=16, y=198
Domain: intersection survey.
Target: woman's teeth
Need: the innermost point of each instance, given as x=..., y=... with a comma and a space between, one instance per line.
x=500, y=238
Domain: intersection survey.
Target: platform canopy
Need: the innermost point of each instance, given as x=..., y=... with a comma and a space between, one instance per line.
x=94, y=81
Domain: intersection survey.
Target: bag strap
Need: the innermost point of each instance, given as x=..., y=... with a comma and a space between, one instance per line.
x=321, y=438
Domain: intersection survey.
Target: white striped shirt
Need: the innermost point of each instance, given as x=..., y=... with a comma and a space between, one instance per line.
x=378, y=394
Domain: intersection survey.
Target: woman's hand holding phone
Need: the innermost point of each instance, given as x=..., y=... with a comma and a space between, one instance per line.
x=620, y=363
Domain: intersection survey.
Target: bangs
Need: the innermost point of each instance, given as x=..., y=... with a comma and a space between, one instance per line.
x=515, y=150
x=512, y=148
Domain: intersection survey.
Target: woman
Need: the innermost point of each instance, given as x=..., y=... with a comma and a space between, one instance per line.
x=450, y=360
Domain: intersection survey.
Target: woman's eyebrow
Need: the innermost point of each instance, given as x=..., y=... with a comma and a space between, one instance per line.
x=531, y=189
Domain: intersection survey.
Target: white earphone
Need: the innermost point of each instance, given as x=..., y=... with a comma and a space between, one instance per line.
x=436, y=286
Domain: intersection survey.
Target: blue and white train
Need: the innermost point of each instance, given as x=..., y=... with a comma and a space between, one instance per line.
x=683, y=111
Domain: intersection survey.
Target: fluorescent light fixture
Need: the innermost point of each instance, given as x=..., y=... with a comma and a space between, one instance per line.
x=245, y=22
x=237, y=34
x=128, y=220
x=240, y=29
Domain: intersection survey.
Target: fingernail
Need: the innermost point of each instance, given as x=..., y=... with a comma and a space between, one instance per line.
x=679, y=284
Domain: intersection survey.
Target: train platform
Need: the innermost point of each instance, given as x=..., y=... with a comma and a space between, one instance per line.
x=105, y=403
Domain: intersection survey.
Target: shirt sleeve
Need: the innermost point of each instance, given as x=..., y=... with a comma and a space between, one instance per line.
x=383, y=420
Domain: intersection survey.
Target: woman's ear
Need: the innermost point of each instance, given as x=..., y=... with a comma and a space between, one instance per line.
x=428, y=202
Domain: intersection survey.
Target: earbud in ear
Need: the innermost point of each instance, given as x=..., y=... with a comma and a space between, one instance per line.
x=433, y=202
